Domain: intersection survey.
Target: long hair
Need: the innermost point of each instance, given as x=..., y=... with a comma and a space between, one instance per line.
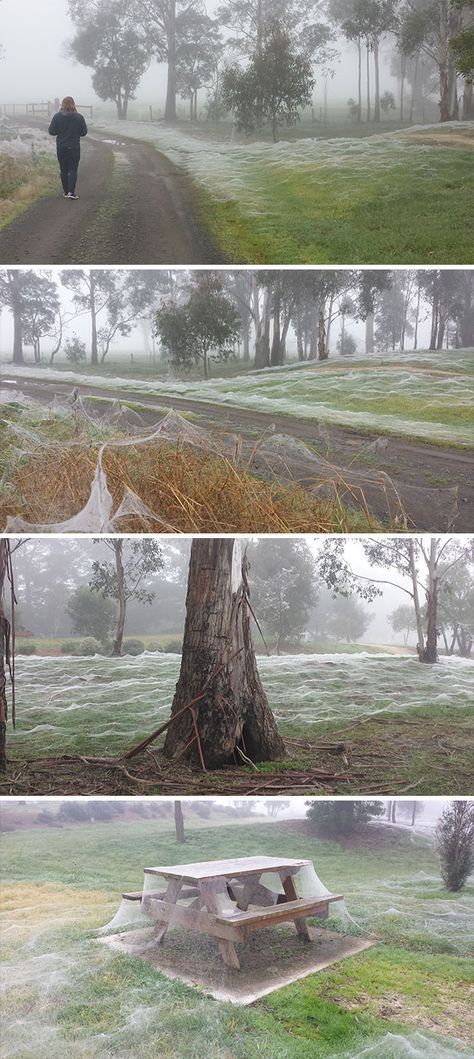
x=68, y=104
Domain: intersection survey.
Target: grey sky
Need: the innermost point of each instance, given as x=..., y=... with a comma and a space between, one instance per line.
x=35, y=64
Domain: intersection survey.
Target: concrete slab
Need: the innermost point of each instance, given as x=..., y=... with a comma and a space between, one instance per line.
x=270, y=959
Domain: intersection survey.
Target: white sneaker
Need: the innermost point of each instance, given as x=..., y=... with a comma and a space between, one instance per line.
x=71, y=196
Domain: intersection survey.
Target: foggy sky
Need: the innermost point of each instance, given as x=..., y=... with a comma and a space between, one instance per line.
x=36, y=67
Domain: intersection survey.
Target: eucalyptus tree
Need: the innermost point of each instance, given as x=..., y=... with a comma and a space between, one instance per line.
x=109, y=40
x=285, y=585
x=304, y=21
x=427, y=26
x=462, y=48
x=167, y=24
x=203, y=328
x=198, y=56
x=126, y=576
x=424, y=565
x=271, y=90
x=32, y=299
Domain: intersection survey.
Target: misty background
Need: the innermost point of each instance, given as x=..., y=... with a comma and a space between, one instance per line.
x=36, y=65
x=140, y=340
x=48, y=572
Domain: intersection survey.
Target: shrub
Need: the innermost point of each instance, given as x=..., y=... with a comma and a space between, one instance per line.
x=174, y=647
x=87, y=646
x=27, y=649
x=455, y=834
x=68, y=647
x=133, y=647
x=332, y=819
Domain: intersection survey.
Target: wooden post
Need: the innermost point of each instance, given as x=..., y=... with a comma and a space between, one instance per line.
x=151, y=112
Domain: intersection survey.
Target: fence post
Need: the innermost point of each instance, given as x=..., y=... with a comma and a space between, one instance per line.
x=151, y=113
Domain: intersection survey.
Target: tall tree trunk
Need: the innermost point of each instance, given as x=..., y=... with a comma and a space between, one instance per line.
x=299, y=336
x=322, y=347
x=16, y=307
x=328, y=332
x=170, y=105
x=417, y=318
x=218, y=667
x=369, y=333
x=467, y=100
x=122, y=603
x=368, y=81
x=313, y=341
x=444, y=92
x=403, y=64
x=179, y=822
x=416, y=602
x=275, y=356
x=414, y=89
x=431, y=648
x=94, y=351
x=359, y=80
x=377, y=81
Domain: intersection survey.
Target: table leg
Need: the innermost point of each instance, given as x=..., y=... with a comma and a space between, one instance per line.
x=291, y=895
x=210, y=891
x=171, y=896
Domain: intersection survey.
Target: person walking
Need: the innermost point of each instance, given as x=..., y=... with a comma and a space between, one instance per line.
x=68, y=126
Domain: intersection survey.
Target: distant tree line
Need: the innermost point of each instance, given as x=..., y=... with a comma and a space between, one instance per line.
x=259, y=59
x=190, y=319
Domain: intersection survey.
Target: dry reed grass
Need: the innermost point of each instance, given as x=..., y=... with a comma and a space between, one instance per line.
x=193, y=492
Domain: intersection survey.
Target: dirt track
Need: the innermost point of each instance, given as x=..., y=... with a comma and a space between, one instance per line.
x=434, y=482
x=133, y=209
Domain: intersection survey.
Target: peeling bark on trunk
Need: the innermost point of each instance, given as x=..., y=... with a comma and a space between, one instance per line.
x=219, y=663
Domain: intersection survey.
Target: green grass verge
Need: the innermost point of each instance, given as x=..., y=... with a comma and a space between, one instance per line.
x=404, y=213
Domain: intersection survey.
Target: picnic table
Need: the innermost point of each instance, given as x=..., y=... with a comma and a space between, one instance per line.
x=227, y=899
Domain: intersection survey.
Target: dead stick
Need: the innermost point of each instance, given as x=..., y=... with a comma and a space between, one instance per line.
x=198, y=741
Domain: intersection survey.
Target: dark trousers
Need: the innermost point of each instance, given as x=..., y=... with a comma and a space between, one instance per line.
x=69, y=164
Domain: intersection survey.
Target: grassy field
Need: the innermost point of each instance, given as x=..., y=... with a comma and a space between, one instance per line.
x=393, y=197
x=67, y=994
x=391, y=712
x=423, y=395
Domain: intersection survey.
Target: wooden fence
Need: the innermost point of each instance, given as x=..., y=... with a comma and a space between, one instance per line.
x=38, y=110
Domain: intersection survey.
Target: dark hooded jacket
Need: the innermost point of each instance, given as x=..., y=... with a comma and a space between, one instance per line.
x=68, y=126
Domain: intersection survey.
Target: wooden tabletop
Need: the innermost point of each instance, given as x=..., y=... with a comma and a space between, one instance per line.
x=231, y=868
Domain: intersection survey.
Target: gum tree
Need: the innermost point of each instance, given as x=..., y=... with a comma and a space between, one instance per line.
x=220, y=712
x=424, y=563
x=109, y=41
x=122, y=579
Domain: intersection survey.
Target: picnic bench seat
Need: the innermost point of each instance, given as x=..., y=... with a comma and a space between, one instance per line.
x=267, y=917
x=138, y=895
